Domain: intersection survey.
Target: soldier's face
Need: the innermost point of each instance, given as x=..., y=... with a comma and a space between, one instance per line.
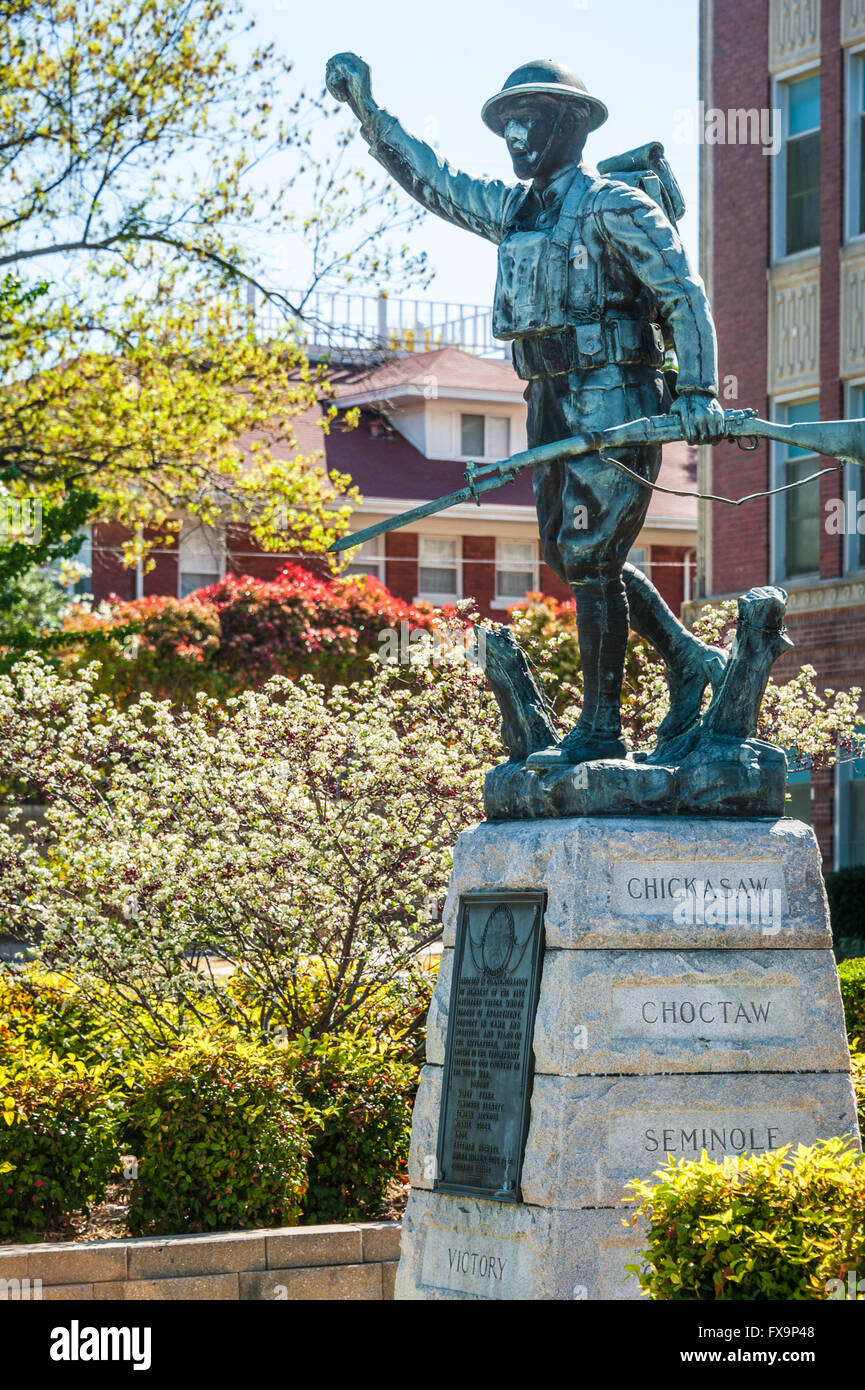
x=529, y=125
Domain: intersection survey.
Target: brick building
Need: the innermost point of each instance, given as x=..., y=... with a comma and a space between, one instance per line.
x=422, y=416
x=783, y=256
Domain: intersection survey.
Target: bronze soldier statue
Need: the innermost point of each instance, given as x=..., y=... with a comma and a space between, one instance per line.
x=593, y=279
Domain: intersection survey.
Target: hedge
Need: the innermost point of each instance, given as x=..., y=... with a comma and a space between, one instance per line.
x=58, y=1143
x=776, y=1226
x=845, y=889
x=219, y=1140
x=236, y=634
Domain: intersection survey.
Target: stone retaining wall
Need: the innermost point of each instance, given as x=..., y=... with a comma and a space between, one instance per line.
x=298, y=1262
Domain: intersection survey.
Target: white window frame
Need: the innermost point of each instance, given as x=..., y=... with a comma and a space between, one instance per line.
x=777, y=505
x=841, y=820
x=646, y=551
x=502, y=600
x=218, y=551
x=378, y=559
x=84, y=587
x=852, y=480
x=854, y=81
x=440, y=599
x=781, y=101
x=486, y=414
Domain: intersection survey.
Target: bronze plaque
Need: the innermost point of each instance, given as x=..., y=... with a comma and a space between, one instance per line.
x=488, y=1056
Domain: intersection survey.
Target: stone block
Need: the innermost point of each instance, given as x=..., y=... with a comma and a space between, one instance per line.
x=112, y=1291
x=340, y=1283
x=646, y=1012
x=643, y=1012
x=177, y=1256
x=304, y=1246
x=388, y=1280
x=381, y=1241
x=203, y=1287
x=589, y=1134
x=72, y=1293
x=465, y=1248
x=15, y=1262
x=645, y=882
x=82, y=1263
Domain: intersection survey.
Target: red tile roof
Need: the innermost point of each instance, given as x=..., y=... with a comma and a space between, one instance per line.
x=453, y=369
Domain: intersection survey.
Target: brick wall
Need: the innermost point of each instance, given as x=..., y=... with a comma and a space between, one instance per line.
x=401, y=550
x=352, y=1262
x=668, y=575
x=741, y=174
x=108, y=573
x=831, y=237
x=479, y=571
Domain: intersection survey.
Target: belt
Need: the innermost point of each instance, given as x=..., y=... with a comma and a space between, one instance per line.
x=615, y=339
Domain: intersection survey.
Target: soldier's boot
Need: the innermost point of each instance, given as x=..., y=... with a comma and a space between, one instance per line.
x=602, y=625
x=691, y=664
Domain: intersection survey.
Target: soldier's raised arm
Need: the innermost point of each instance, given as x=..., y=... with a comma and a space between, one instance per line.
x=476, y=204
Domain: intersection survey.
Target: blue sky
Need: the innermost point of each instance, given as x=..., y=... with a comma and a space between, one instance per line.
x=433, y=65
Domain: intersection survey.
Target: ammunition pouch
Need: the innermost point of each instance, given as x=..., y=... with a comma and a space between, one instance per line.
x=615, y=339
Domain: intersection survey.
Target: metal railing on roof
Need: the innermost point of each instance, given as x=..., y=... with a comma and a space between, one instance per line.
x=357, y=324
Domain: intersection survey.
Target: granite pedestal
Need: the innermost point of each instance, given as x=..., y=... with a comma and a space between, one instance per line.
x=689, y=1000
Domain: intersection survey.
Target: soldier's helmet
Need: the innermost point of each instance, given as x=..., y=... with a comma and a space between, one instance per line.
x=546, y=78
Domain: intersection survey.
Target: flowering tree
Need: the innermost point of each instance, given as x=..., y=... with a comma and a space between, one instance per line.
x=287, y=833
x=300, y=834
x=153, y=157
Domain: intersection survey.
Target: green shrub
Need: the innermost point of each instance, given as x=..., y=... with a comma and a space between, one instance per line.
x=845, y=889
x=235, y=634
x=217, y=1130
x=58, y=1143
x=773, y=1226
x=44, y=1012
x=363, y=1097
x=852, y=976
x=857, y=1060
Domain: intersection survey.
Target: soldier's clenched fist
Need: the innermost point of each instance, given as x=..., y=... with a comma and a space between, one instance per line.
x=348, y=79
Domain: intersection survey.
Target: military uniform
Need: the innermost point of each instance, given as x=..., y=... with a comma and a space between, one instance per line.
x=592, y=281
x=588, y=272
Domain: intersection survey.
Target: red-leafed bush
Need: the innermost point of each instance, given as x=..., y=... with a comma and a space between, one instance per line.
x=235, y=634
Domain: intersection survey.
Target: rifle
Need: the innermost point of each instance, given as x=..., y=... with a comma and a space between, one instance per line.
x=839, y=439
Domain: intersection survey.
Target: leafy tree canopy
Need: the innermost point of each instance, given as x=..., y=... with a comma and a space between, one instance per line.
x=135, y=143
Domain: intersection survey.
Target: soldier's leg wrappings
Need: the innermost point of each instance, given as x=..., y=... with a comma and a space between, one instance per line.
x=691, y=664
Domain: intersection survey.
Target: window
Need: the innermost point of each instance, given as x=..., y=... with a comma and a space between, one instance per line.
x=853, y=518
x=516, y=570
x=639, y=559
x=855, y=145
x=799, y=791
x=201, y=558
x=797, y=199
x=485, y=436
x=368, y=558
x=850, y=811
x=438, y=569
x=84, y=559
x=796, y=514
